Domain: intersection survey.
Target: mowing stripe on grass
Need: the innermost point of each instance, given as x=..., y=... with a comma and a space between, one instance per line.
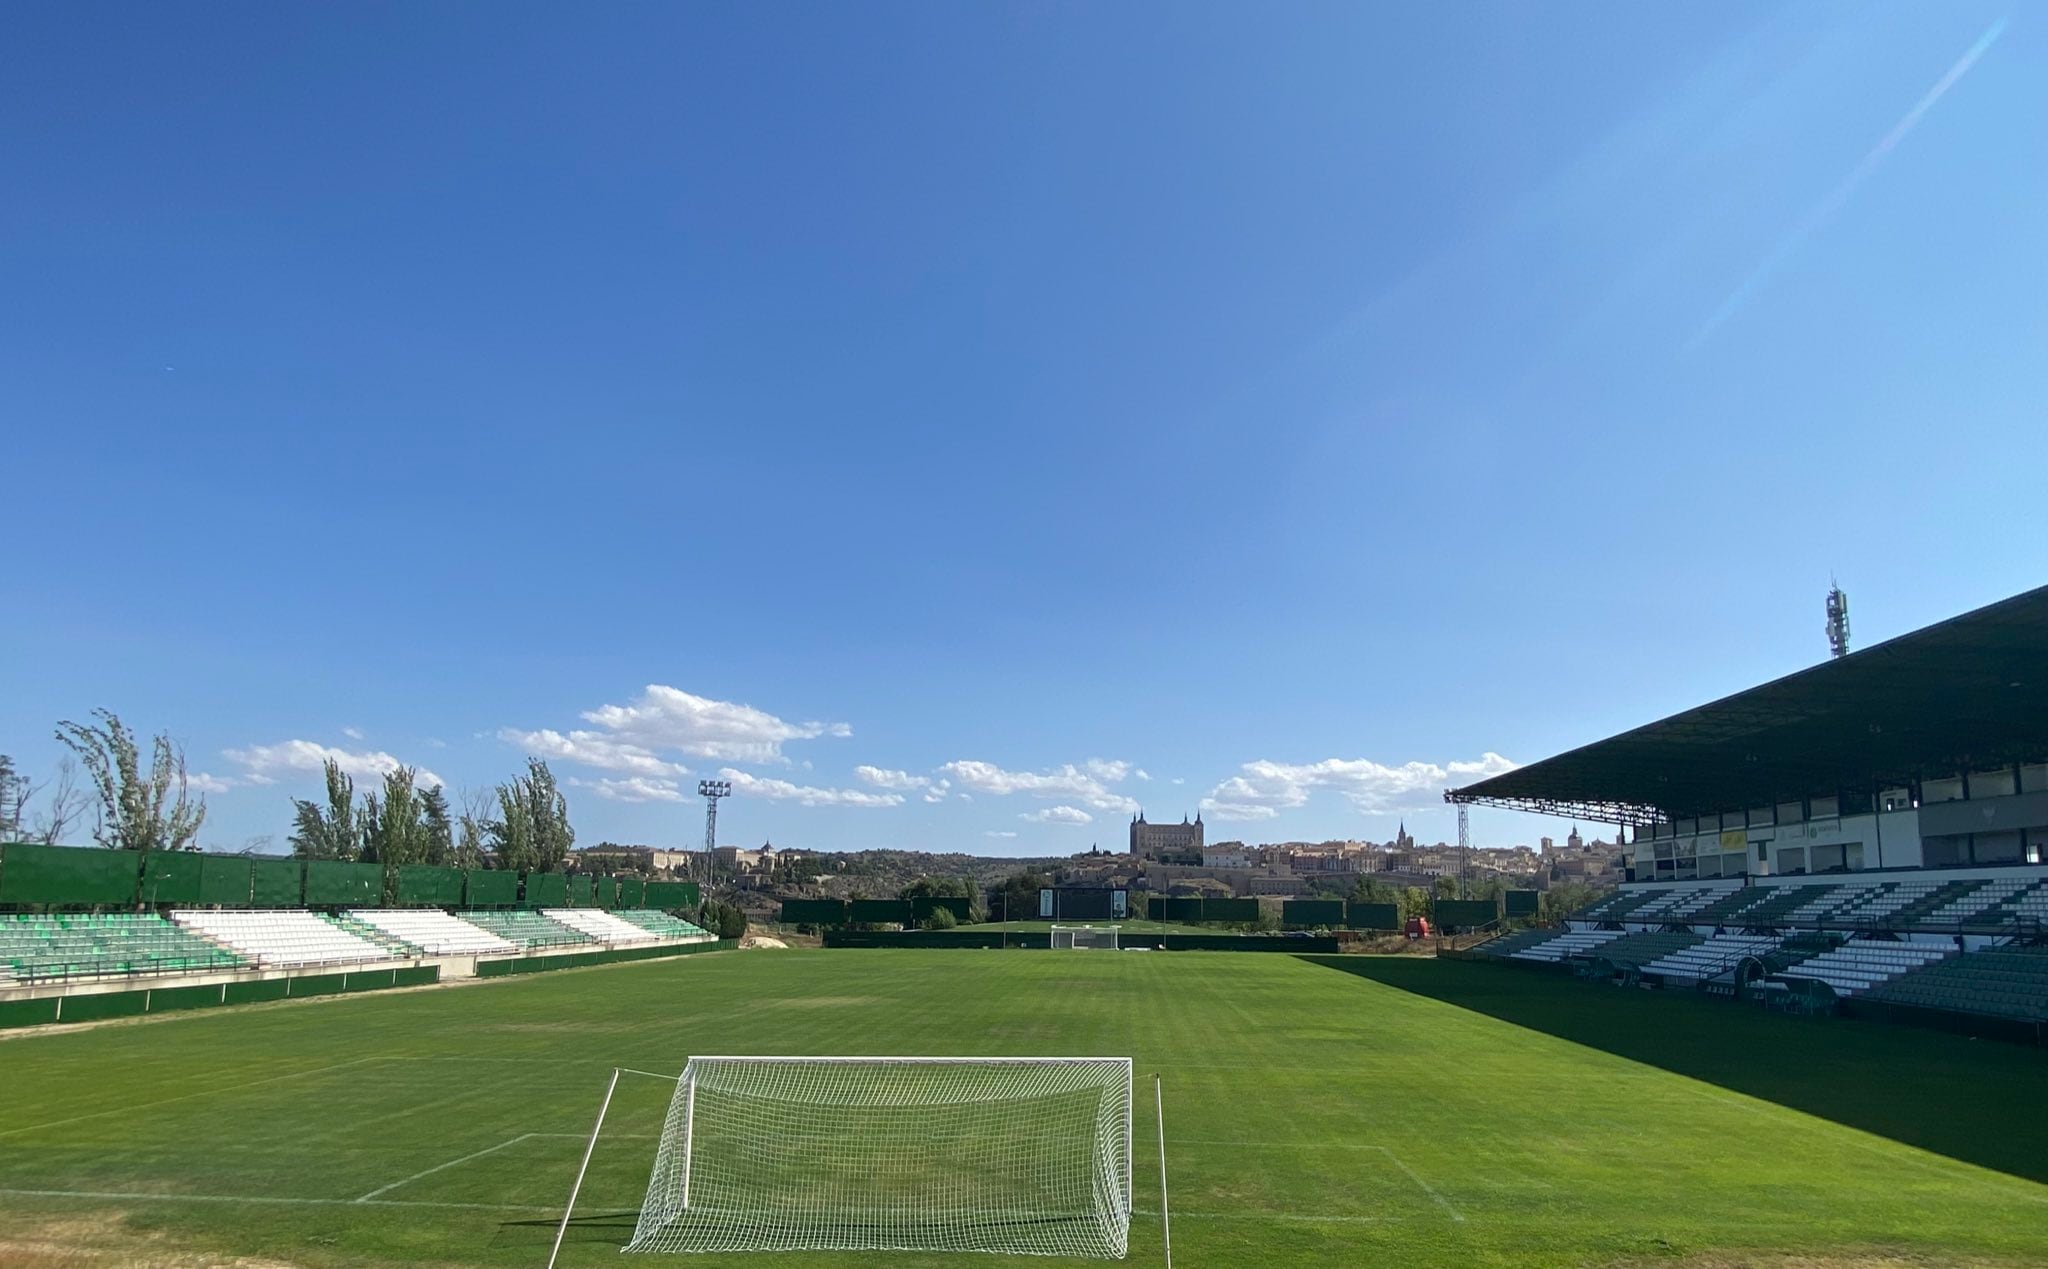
x=185, y=1097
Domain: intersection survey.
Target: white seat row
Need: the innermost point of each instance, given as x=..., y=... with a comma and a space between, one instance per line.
x=601, y=926
x=1857, y=966
x=1566, y=945
x=435, y=932
x=282, y=937
x=1710, y=957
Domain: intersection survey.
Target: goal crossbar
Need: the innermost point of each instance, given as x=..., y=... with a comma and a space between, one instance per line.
x=964, y=1154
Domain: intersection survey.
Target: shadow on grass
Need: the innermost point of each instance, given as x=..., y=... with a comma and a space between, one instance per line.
x=1979, y=1101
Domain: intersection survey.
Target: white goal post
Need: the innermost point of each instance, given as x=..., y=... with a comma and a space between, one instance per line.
x=1067, y=937
x=1030, y=1156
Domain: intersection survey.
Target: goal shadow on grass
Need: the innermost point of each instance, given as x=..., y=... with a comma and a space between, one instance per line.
x=1976, y=1101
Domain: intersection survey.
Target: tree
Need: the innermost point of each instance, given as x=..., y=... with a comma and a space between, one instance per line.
x=15, y=791
x=64, y=805
x=1017, y=897
x=726, y=920
x=334, y=831
x=139, y=812
x=440, y=831
x=511, y=834
x=941, y=919
x=473, y=828
x=532, y=832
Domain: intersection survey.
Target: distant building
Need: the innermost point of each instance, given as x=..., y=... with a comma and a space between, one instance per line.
x=1162, y=841
x=1549, y=846
x=1575, y=842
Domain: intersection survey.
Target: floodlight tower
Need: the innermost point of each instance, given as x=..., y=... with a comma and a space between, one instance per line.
x=1464, y=852
x=711, y=791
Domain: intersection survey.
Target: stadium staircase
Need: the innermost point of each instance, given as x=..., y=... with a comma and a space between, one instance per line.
x=433, y=932
x=599, y=926
x=2000, y=982
x=526, y=929
x=1565, y=945
x=1638, y=950
x=1861, y=964
x=369, y=933
x=1777, y=904
x=1709, y=958
x=666, y=926
x=1618, y=906
x=1946, y=906
x=2023, y=905
x=43, y=948
x=282, y=937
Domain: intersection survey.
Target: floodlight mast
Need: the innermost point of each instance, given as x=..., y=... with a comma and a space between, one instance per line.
x=711, y=791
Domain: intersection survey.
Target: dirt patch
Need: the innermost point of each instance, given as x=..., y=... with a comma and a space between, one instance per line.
x=761, y=940
x=105, y=1239
x=1847, y=1259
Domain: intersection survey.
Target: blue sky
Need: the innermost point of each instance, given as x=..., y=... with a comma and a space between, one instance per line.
x=941, y=415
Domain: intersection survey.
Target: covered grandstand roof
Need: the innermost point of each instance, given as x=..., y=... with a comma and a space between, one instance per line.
x=1969, y=693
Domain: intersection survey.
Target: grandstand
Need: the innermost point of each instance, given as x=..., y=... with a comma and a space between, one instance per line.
x=1873, y=830
x=90, y=933
x=35, y=949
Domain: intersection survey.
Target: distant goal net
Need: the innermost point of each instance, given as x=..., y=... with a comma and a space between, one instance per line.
x=1030, y=1156
x=1069, y=937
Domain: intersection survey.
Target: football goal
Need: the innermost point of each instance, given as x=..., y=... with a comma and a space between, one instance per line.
x=1030, y=1156
x=1067, y=937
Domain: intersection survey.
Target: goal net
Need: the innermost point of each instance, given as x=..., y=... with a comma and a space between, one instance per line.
x=1084, y=936
x=1024, y=1155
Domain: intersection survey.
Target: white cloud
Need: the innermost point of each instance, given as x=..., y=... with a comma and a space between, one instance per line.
x=1058, y=815
x=1263, y=789
x=207, y=783
x=353, y=733
x=593, y=749
x=668, y=718
x=631, y=789
x=803, y=794
x=1067, y=781
x=263, y=764
x=896, y=781
x=436, y=743
x=1180, y=780
x=999, y=832
x=1107, y=770
x=1142, y=774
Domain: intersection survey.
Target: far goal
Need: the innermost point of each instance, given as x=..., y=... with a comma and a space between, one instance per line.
x=1030, y=1156
x=1069, y=937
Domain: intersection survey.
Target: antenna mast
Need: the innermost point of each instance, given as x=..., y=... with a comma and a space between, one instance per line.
x=1838, y=620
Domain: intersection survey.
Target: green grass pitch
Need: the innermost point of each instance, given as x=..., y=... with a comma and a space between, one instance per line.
x=1321, y=1111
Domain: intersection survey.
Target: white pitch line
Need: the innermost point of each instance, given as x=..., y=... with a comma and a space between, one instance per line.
x=183, y=1097
x=1427, y=1188
x=441, y=1167
x=139, y=1197
x=135, y=1197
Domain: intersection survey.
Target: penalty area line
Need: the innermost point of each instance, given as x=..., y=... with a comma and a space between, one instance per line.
x=441, y=1167
x=1434, y=1195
